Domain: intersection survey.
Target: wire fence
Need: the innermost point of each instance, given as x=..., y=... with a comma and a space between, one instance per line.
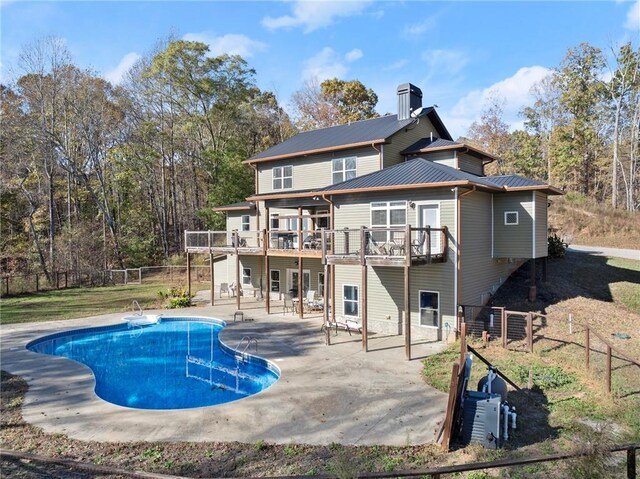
x=13, y=285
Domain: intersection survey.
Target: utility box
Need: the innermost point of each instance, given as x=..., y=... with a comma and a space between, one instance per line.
x=481, y=419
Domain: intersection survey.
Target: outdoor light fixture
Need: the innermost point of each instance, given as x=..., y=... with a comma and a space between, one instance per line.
x=412, y=204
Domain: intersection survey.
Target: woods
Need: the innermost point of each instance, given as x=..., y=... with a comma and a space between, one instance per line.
x=96, y=175
x=581, y=132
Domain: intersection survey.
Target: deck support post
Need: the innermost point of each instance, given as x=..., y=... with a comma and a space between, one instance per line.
x=365, y=329
x=237, y=279
x=300, y=287
x=407, y=313
x=333, y=293
x=325, y=312
x=211, y=271
x=189, y=274
x=532, y=287
x=267, y=298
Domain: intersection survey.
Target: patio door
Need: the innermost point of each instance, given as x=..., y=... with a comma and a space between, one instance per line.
x=429, y=215
x=292, y=280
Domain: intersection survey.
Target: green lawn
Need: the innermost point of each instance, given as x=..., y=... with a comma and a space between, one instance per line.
x=81, y=302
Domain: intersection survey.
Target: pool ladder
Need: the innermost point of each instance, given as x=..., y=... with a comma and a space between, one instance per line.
x=247, y=341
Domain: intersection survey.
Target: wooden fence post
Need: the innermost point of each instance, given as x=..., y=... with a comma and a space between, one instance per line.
x=503, y=327
x=586, y=347
x=463, y=343
x=530, y=332
x=608, y=368
x=451, y=405
x=631, y=463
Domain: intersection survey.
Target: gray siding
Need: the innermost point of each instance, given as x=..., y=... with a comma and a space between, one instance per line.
x=405, y=138
x=470, y=164
x=234, y=220
x=386, y=284
x=315, y=171
x=541, y=225
x=513, y=241
x=447, y=158
x=480, y=274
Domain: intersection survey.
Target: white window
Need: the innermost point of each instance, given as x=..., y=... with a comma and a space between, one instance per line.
x=387, y=214
x=350, y=301
x=429, y=302
x=321, y=284
x=282, y=177
x=510, y=217
x=275, y=221
x=246, y=276
x=344, y=169
x=275, y=280
x=245, y=222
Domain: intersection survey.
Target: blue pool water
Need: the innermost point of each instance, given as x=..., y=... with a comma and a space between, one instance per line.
x=163, y=366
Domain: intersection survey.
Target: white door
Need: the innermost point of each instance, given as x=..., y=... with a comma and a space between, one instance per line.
x=429, y=215
x=292, y=280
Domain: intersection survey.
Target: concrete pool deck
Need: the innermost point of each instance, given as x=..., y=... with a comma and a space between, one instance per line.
x=326, y=394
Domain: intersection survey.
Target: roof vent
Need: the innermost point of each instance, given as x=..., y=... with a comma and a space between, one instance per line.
x=409, y=100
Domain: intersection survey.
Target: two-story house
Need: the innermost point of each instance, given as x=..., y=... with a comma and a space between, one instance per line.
x=388, y=220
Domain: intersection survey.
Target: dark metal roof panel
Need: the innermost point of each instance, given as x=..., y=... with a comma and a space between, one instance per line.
x=514, y=181
x=426, y=143
x=355, y=132
x=413, y=172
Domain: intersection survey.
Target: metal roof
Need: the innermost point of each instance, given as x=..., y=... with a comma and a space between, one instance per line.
x=241, y=205
x=416, y=171
x=357, y=132
x=514, y=181
x=426, y=143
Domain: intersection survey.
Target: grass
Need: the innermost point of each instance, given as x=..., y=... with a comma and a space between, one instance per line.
x=583, y=221
x=81, y=302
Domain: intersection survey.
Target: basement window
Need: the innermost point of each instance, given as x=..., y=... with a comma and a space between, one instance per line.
x=510, y=218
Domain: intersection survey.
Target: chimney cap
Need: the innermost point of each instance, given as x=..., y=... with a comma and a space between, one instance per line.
x=409, y=88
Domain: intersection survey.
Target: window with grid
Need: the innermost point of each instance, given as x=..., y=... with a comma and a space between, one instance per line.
x=246, y=276
x=321, y=284
x=510, y=217
x=275, y=280
x=429, y=308
x=245, y=222
x=282, y=177
x=344, y=169
x=350, y=300
x=387, y=214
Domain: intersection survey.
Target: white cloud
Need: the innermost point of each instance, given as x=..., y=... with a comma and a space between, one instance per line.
x=633, y=17
x=353, y=55
x=231, y=43
x=396, y=65
x=324, y=65
x=419, y=29
x=312, y=15
x=445, y=61
x=515, y=91
x=116, y=75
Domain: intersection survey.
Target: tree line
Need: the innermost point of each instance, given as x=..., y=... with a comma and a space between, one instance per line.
x=582, y=131
x=97, y=176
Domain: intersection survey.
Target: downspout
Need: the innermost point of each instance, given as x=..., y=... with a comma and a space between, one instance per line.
x=458, y=236
x=373, y=145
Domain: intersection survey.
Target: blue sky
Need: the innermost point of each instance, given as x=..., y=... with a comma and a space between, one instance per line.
x=458, y=53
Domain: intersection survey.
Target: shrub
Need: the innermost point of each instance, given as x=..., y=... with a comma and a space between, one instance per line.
x=557, y=247
x=178, y=297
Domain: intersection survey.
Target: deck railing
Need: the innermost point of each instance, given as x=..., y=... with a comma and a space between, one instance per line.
x=420, y=243
x=204, y=240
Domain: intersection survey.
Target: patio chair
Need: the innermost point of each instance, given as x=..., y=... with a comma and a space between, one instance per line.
x=224, y=288
x=310, y=301
x=235, y=289
x=418, y=244
x=288, y=303
x=340, y=322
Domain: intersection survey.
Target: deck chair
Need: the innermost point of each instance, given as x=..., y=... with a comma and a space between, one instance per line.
x=235, y=289
x=417, y=245
x=224, y=288
x=340, y=322
x=310, y=300
x=288, y=303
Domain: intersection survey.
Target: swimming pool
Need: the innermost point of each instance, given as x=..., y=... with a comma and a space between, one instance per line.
x=176, y=363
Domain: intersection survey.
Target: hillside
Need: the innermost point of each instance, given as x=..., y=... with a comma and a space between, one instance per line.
x=583, y=221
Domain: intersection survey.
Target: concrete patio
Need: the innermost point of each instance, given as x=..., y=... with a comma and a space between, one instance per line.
x=326, y=394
